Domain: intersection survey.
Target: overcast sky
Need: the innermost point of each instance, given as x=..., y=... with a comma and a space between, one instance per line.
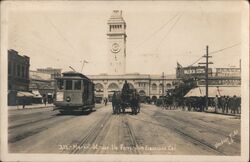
x=61, y=34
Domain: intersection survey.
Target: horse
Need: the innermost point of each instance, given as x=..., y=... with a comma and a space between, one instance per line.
x=116, y=103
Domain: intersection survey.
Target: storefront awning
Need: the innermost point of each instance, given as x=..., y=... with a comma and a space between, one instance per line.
x=229, y=91
x=24, y=94
x=213, y=91
x=36, y=94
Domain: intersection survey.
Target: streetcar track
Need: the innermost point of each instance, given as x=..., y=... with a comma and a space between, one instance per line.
x=188, y=137
x=103, y=135
x=31, y=122
x=26, y=134
x=40, y=120
x=213, y=130
x=36, y=130
x=99, y=132
x=92, y=134
x=131, y=136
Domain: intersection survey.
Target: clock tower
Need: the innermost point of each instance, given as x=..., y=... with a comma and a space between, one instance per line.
x=116, y=43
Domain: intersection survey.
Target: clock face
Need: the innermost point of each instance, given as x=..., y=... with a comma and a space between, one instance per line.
x=115, y=48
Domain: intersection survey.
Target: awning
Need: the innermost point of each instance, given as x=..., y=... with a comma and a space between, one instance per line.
x=213, y=91
x=36, y=94
x=229, y=91
x=24, y=94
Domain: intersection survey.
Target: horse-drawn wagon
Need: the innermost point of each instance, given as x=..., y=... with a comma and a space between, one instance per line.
x=125, y=99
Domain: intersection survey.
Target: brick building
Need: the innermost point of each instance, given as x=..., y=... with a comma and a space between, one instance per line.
x=18, y=78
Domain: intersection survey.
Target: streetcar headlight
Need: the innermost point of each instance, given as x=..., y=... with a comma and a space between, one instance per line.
x=68, y=99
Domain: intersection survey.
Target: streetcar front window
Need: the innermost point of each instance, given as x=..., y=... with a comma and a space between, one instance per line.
x=69, y=85
x=60, y=84
x=78, y=84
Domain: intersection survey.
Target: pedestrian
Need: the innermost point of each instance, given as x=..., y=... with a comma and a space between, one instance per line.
x=114, y=102
x=45, y=100
x=183, y=104
x=230, y=104
x=239, y=104
x=227, y=104
x=105, y=101
x=174, y=103
x=219, y=102
x=23, y=102
x=223, y=103
x=216, y=103
x=203, y=103
x=235, y=104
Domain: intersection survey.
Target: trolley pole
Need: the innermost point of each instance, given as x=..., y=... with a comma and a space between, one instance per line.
x=206, y=75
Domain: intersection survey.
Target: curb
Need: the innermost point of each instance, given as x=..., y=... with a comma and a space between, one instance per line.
x=223, y=114
x=32, y=108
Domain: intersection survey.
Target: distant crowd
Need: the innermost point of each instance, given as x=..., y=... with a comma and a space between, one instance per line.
x=221, y=104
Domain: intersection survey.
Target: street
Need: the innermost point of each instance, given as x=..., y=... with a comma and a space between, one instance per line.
x=152, y=131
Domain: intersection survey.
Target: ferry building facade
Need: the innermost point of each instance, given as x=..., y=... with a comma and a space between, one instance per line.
x=105, y=84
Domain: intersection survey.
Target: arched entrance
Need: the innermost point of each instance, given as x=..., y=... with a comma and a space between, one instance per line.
x=168, y=85
x=99, y=92
x=131, y=86
x=142, y=93
x=111, y=88
x=154, y=98
x=98, y=87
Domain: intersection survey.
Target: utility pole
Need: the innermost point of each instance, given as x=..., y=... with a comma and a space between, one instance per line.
x=162, y=83
x=206, y=74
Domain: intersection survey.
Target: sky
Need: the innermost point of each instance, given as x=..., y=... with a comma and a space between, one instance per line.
x=60, y=34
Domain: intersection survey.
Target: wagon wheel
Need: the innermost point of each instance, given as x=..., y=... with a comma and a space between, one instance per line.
x=122, y=109
x=117, y=109
x=135, y=110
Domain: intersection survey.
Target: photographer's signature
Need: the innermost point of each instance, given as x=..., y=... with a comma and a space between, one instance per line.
x=229, y=140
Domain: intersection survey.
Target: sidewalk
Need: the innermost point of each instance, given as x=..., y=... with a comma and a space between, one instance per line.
x=219, y=111
x=33, y=106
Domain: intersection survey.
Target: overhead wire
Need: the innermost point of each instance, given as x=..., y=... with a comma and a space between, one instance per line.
x=196, y=61
x=172, y=27
x=216, y=51
x=220, y=50
x=156, y=31
x=60, y=34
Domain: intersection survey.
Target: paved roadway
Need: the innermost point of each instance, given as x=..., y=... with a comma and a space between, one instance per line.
x=152, y=131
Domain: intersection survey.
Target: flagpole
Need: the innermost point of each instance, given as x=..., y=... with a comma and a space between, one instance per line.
x=83, y=62
x=82, y=66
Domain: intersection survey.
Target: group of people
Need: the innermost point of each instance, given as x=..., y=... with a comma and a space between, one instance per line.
x=222, y=104
x=226, y=104
x=24, y=101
